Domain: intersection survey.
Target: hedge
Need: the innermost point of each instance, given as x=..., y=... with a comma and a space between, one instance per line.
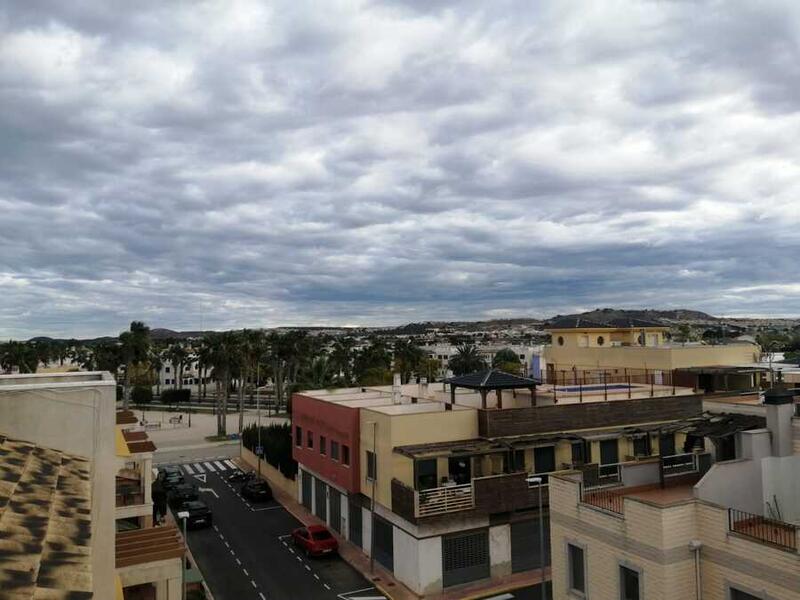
x=277, y=443
x=172, y=396
x=141, y=395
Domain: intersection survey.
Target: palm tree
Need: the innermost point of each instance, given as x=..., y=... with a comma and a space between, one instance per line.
x=251, y=349
x=177, y=356
x=135, y=346
x=317, y=374
x=407, y=358
x=156, y=366
x=466, y=360
x=223, y=349
x=341, y=360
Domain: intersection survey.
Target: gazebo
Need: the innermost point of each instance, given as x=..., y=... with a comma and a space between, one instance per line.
x=491, y=380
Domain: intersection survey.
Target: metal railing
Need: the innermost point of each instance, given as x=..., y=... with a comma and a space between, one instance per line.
x=440, y=500
x=610, y=474
x=770, y=531
x=679, y=464
x=610, y=500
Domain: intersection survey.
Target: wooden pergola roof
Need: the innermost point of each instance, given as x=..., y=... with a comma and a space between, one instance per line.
x=492, y=380
x=147, y=545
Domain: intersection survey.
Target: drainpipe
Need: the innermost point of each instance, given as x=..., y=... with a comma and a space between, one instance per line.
x=695, y=546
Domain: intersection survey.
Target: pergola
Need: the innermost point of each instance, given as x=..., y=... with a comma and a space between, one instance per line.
x=491, y=380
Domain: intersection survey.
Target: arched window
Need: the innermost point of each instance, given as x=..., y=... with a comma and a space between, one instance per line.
x=560, y=340
x=600, y=340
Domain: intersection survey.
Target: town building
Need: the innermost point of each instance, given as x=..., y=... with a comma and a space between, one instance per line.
x=728, y=531
x=529, y=356
x=73, y=483
x=438, y=482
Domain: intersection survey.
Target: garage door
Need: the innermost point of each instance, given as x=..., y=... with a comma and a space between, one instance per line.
x=306, y=482
x=525, y=544
x=354, y=511
x=384, y=542
x=465, y=557
x=320, y=499
x=336, y=509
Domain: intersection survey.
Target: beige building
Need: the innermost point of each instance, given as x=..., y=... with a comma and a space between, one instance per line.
x=84, y=479
x=729, y=533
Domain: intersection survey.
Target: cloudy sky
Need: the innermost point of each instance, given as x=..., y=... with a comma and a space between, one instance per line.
x=245, y=163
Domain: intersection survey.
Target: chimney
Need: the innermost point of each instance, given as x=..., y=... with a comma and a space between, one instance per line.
x=396, y=389
x=423, y=387
x=780, y=409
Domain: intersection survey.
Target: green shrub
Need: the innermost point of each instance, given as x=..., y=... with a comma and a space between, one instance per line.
x=172, y=396
x=141, y=395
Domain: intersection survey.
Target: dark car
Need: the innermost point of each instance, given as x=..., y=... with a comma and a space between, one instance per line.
x=199, y=514
x=239, y=475
x=256, y=490
x=315, y=540
x=183, y=492
x=171, y=480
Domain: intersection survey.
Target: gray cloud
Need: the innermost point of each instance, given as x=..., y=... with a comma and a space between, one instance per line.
x=248, y=163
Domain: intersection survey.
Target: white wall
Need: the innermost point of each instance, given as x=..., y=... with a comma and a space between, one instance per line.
x=430, y=564
x=734, y=483
x=500, y=550
x=781, y=479
x=406, y=559
x=366, y=531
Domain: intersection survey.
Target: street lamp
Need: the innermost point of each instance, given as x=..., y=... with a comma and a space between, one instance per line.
x=374, y=480
x=538, y=482
x=258, y=411
x=184, y=517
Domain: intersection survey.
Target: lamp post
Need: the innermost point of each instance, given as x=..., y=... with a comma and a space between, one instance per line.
x=538, y=482
x=258, y=412
x=184, y=517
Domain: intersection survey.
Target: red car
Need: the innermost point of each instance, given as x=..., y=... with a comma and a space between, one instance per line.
x=315, y=540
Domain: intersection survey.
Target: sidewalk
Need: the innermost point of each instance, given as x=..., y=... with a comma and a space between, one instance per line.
x=385, y=581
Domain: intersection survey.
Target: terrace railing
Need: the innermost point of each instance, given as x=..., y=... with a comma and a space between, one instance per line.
x=444, y=499
x=768, y=531
x=610, y=500
x=679, y=464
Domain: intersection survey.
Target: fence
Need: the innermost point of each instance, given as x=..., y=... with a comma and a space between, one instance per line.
x=608, y=380
x=770, y=531
x=444, y=499
x=610, y=500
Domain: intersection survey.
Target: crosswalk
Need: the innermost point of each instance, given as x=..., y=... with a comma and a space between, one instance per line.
x=209, y=466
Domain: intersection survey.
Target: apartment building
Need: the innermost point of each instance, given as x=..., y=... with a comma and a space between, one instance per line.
x=529, y=356
x=71, y=478
x=629, y=349
x=726, y=533
x=437, y=481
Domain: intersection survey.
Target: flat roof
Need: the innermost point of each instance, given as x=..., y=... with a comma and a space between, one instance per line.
x=45, y=522
x=20, y=381
x=419, y=408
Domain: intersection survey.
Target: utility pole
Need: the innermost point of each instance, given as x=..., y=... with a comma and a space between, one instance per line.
x=374, y=481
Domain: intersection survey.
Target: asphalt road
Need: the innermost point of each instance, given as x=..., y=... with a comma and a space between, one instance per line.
x=247, y=554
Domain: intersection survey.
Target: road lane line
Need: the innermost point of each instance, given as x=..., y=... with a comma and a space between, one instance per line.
x=246, y=573
x=188, y=469
x=199, y=468
x=262, y=596
x=254, y=583
x=210, y=467
x=316, y=576
x=326, y=586
x=220, y=465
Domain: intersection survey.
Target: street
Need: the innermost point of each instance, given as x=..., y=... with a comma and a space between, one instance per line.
x=248, y=554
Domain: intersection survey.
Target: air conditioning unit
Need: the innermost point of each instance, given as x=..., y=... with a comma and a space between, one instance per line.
x=616, y=344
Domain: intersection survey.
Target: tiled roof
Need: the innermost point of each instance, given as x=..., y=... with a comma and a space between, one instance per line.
x=45, y=523
x=493, y=379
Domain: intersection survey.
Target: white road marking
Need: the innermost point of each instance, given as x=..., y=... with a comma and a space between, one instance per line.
x=316, y=576
x=307, y=567
x=201, y=477
x=246, y=574
x=188, y=469
x=227, y=545
x=350, y=596
x=220, y=465
x=210, y=490
x=230, y=464
x=209, y=466
x=292, y=550
x=216, y=528
x=199, y=468
x=262, y=596
x=254, y=583
x=238, y=562
x=298, y=558
x=266, y=508
x=326, y=586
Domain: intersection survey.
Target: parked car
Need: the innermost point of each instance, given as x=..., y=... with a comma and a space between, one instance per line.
x=199, y=514
x=171, y=480
x=181, y=493
x=240, y=475
x=256, y=490
x=315, y=540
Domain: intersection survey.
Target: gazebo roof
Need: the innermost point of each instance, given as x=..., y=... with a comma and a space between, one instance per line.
x=493, y=379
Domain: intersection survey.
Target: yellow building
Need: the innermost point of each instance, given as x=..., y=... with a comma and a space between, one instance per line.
x=639, y=350
x=729, y=533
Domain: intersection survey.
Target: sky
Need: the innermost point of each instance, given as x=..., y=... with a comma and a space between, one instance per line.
x=252, y=164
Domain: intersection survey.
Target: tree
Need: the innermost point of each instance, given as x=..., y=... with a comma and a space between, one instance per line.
x=466, y=360
x=222, y=356
x=685, y=333
x=317, y=374
x=407, y=358
x=372, y=363
x=156, y=361
x=341, y=360
x=507, y=360
x=135, y=348
x=21, y=355
x=177, y=356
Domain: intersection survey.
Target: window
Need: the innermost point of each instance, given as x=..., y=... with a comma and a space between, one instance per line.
x=544, y=459
x=346, y=455
x=666, y=444
x=629, y=586
x=298, y=436
x=576, y=568
x=740, y=595
x=166, y=369
x=323, y=444
x=518, y=459
x=372, y=468
x=578, y=454
x=334, y=450
x=560, y=340
x=641, y=446
x=425, y=473
x=609, y=452
x=600, y=340
x=310, y=439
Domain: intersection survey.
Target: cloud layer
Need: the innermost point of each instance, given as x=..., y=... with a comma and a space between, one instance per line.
x=246, y=163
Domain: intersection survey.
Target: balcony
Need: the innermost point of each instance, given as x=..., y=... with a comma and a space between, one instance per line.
x=772, y=532
x=129, y=492
x=491, y=494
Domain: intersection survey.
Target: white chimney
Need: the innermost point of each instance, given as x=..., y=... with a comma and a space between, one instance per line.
x=780, y=410
x=396, y=389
